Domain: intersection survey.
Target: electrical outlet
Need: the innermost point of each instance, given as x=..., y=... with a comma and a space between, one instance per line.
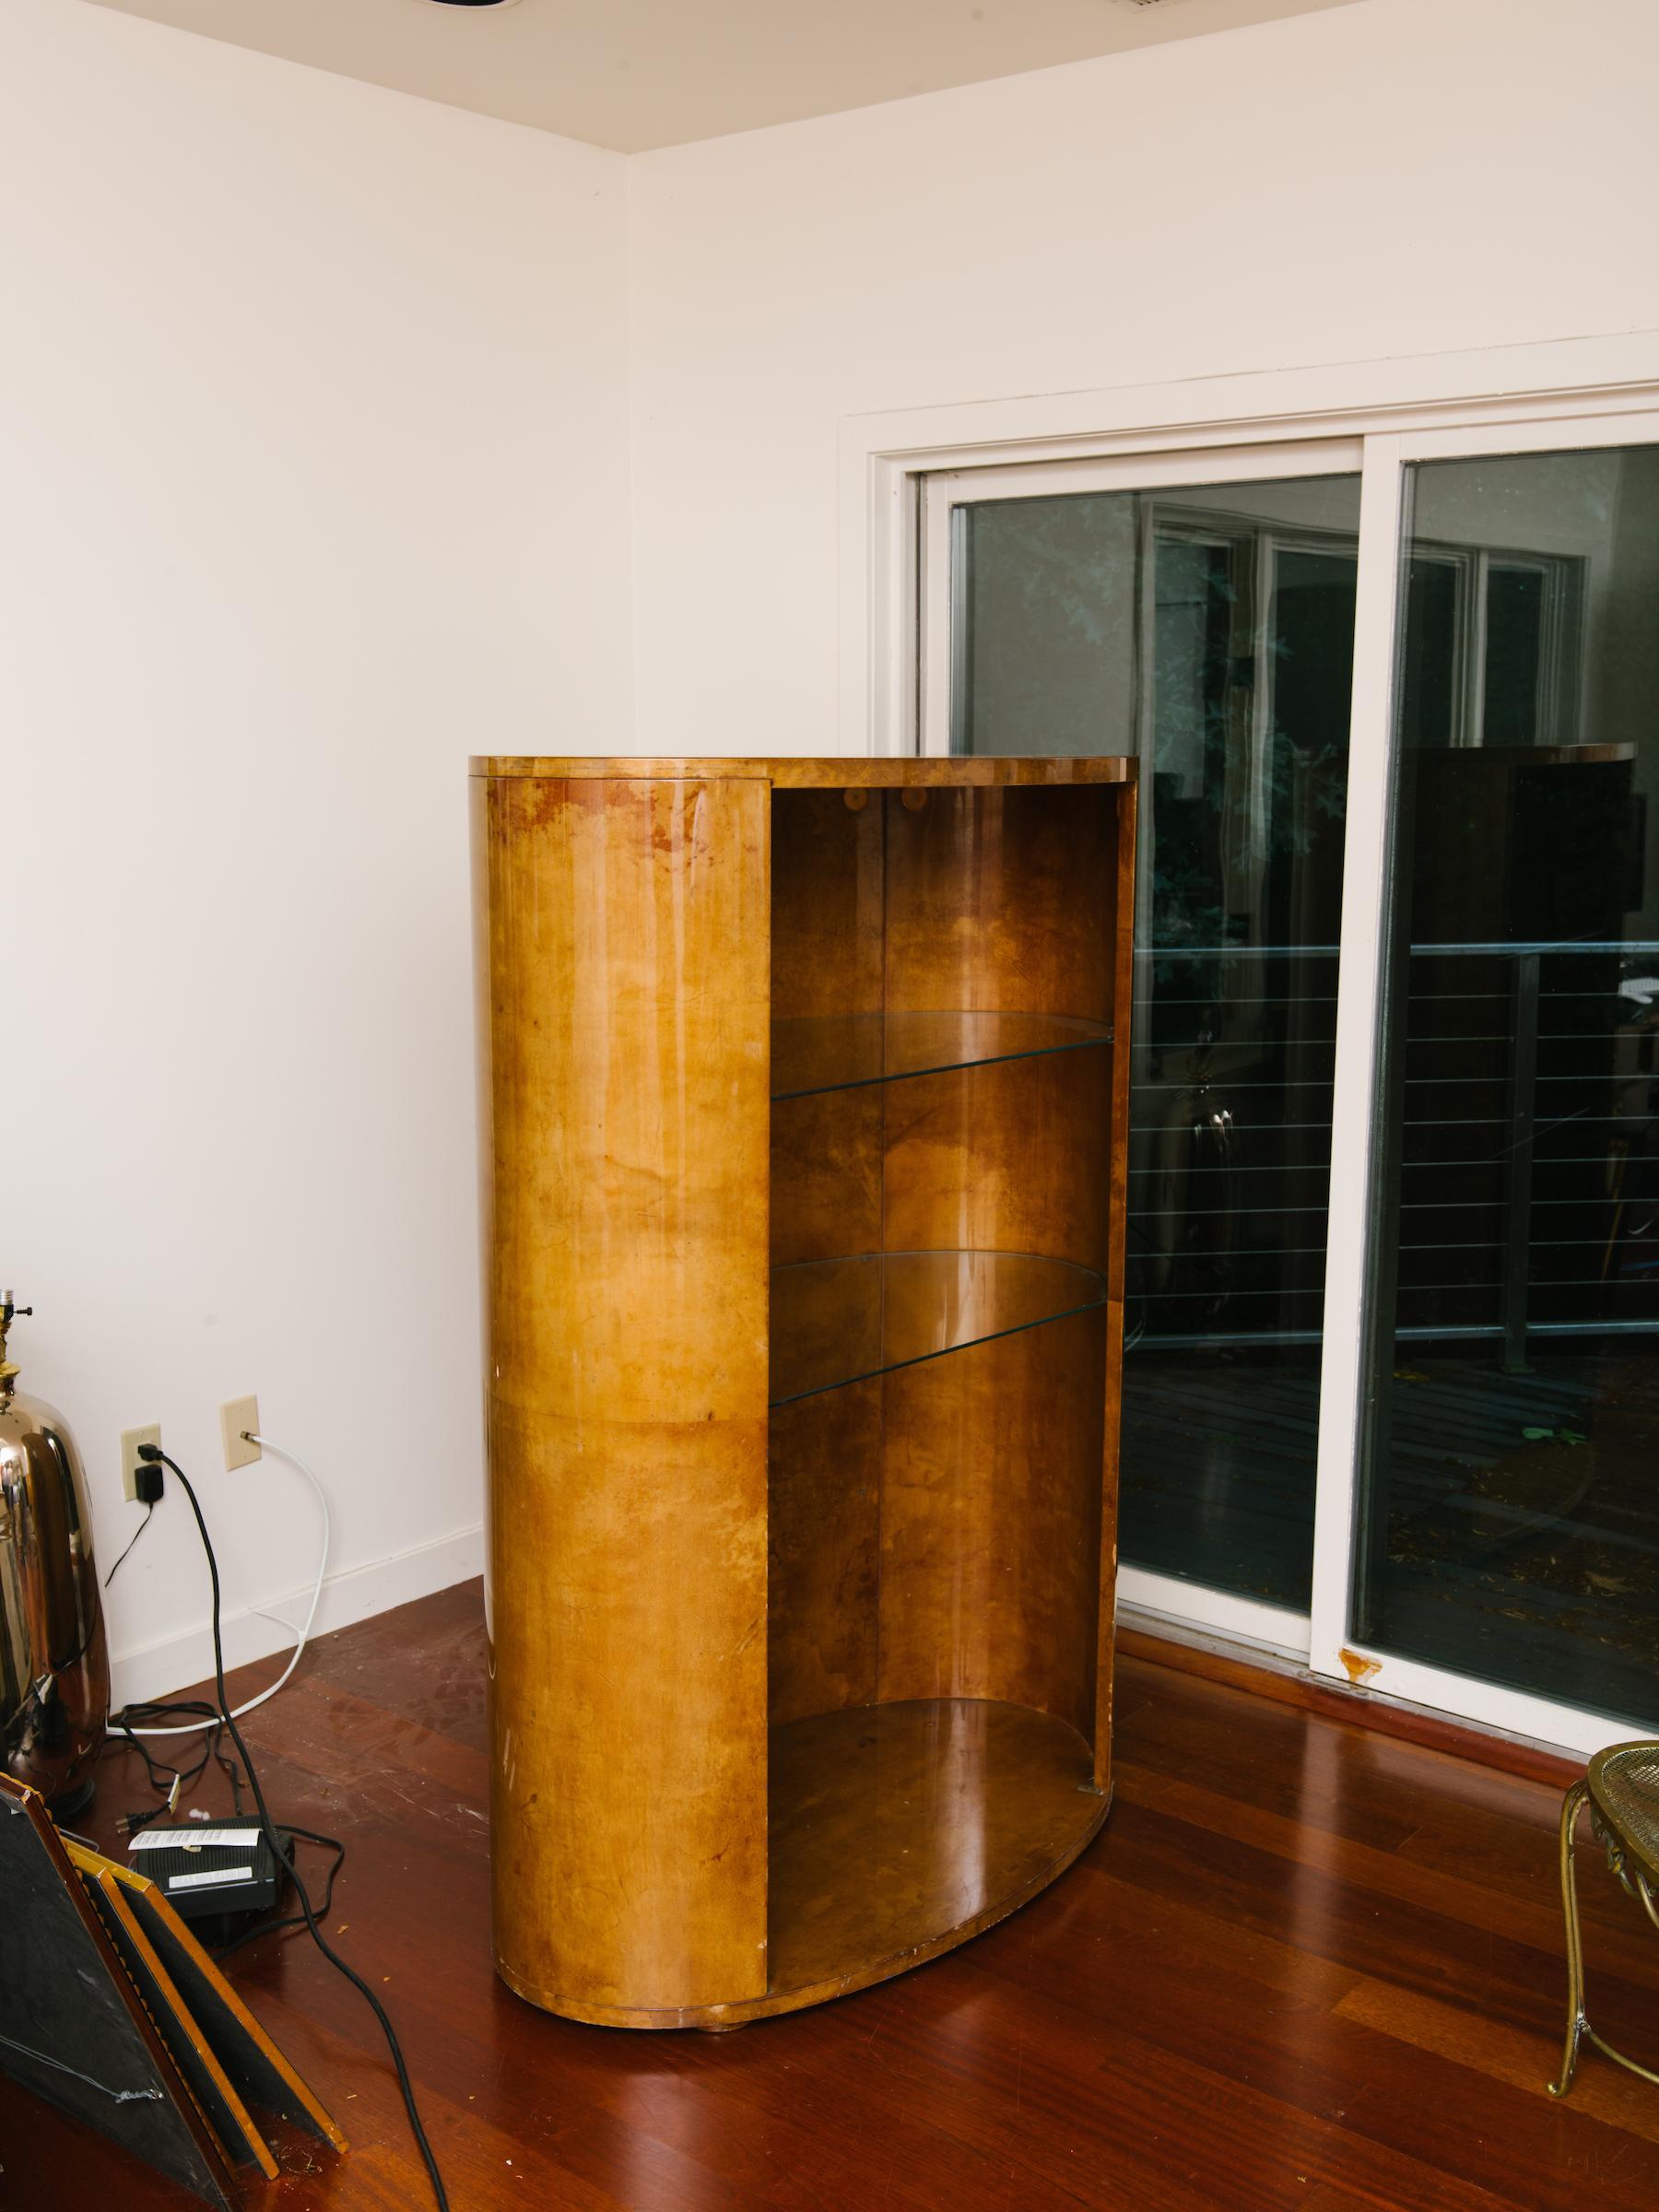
x=130, y=1461
x=236, y=1415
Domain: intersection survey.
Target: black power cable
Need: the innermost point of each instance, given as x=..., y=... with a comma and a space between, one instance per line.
x=155, y=1452
x=161, y=1776
x=275, y=1927
x=143, y=1524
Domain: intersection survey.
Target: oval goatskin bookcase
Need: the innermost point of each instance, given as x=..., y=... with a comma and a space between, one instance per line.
x=804, y=1099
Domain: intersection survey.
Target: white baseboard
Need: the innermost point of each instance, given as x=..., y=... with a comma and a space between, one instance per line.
x=156, y=1670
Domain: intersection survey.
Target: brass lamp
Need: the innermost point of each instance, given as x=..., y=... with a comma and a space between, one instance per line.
x=54, y=1666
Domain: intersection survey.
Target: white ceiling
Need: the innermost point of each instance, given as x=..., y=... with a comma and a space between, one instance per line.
x=634, y=74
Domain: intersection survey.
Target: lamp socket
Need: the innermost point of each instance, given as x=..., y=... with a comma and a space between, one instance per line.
x=239, y=1421
x=130, y=1461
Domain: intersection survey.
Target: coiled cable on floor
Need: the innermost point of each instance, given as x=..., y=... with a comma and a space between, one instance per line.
x=405, y=2087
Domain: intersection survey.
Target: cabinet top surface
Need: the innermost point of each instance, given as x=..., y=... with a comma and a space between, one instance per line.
x=834, y=774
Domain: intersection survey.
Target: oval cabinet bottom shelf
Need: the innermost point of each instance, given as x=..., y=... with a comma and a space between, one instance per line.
x=898, y=1832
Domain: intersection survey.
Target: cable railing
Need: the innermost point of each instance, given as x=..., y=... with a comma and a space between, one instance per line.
x=1537, y=1128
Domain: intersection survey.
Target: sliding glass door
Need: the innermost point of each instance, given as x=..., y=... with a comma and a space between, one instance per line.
x=1393, y=1287
x=1208, y=628
x=1510, y=1450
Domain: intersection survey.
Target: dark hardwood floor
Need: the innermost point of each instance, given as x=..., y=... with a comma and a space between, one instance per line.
x=1304, y=1966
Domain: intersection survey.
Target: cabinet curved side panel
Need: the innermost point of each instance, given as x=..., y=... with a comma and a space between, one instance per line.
x=991, y=1522
x=1011, y=1158
x=624, y=954
x=1001, y=899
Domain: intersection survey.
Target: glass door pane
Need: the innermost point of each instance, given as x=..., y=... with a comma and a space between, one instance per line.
x=1208, y=629
x=1509, y=1515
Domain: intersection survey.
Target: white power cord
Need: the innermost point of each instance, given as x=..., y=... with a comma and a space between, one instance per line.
x=195, y=1728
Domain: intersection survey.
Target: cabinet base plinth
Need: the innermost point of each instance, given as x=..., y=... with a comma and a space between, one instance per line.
x=898, y=1832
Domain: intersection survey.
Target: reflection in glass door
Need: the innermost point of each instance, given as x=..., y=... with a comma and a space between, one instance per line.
x=1508, y=1524
x=1209, y=629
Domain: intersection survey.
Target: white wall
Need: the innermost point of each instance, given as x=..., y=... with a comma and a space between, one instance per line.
x=314, y=476
x=1399, y=178
x=312, y=479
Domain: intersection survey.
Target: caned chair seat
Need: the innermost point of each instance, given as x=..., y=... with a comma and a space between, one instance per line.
x=1622, y=1788
x=1623, y=1784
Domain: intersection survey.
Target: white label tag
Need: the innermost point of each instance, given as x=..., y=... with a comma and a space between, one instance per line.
x=214, y=1875
x=194, y=1839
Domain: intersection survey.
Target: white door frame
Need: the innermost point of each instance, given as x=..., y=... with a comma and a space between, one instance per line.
x=883, y=455
x=896, y=633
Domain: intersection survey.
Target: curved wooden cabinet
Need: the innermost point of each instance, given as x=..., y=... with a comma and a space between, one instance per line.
x=803, y=1165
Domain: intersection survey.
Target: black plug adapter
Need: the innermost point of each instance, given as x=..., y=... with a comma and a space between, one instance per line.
x=147, y=1479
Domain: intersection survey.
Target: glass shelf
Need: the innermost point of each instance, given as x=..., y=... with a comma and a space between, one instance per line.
x=839, y=1321
x=838, y=1051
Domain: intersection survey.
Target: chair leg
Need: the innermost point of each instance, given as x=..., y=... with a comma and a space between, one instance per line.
x=1578, y=2026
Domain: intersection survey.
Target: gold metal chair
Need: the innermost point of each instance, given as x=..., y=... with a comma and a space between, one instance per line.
x=1622, y=1791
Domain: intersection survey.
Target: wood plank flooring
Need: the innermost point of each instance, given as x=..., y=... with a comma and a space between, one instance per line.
x=1304, y=1966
